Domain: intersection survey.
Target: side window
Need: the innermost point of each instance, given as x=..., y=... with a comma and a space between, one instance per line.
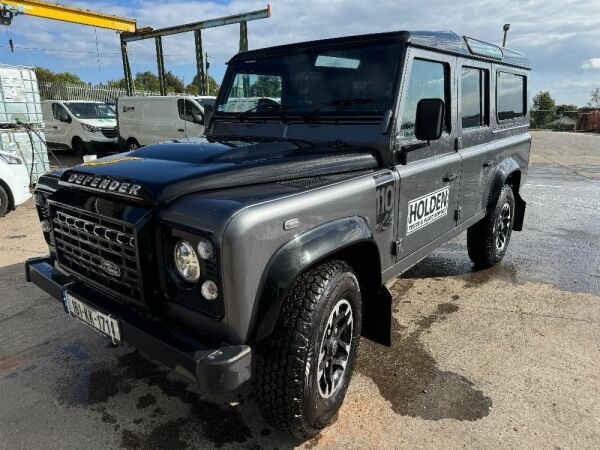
x=428, y=79
x=474, y=94
x=189, y=111
x=510, y=96
x=58, y=111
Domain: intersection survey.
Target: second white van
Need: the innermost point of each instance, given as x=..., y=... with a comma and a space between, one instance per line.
x=84, y=126
x=148, y=120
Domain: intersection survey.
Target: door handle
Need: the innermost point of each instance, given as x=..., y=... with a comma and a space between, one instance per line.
x=55, y=127
x=180, y=129
x=449, y=177
x=489, y=163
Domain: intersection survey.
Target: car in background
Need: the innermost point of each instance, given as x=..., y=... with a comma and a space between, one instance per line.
x=86, y=127
x=149, y=120
x=14, y=182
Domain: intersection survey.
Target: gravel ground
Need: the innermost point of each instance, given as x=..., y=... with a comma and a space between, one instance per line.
x=507, y=357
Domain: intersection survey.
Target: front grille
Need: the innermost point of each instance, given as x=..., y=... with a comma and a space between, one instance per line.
x=110, y=133
x=99, y=249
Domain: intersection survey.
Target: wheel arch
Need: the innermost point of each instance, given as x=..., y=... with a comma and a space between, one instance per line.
x=349, y=239
x=509, y=172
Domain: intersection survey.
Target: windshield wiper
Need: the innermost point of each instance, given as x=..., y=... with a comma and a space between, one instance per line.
x=242, y=116
x=340, y=103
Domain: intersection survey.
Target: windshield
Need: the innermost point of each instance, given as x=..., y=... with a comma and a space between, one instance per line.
x=343, y=79
x=91, y=110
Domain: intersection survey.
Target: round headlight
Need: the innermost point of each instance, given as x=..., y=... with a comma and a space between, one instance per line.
x=205, y=249
x=186, y=261
x=210, y=291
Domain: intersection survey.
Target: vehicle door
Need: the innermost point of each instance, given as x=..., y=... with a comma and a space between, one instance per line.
x=160, y=121
x=476, y=145
x=192, y=116
x=429, y=173
x=60, y=128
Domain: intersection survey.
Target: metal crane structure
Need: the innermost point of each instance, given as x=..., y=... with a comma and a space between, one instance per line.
x=129, y=32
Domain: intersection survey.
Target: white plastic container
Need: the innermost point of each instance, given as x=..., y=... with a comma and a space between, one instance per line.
x=19, y=95
x=18, y=144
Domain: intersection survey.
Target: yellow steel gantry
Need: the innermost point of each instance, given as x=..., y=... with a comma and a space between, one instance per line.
x=64, y=13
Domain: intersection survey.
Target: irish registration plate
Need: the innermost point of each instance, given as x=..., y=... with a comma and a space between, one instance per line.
x=94, y=318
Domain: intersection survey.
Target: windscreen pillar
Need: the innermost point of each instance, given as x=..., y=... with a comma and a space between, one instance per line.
x=199, y=62
x=160, y=60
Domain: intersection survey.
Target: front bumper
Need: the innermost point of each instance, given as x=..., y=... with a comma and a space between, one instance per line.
x=216, y=368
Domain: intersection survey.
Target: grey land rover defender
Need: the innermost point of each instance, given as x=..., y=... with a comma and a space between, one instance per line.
x=261, y=251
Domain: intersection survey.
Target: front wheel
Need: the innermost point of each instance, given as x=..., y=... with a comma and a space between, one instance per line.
x=487, y=240
x=3, y=201
x=304, y=368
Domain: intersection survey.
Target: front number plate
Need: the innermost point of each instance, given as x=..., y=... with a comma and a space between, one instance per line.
x=97, y=320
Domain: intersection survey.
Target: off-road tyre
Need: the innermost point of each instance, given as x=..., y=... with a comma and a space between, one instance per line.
x=4, y=201
x=286, y=364
x=487, y=240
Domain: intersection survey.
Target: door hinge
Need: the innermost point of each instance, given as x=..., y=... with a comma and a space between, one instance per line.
x=396, y=247
x=458, y=213
x=458, y=143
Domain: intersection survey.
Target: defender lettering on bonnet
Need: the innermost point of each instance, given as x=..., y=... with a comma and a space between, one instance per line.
x=427, y=209
x=104, y=184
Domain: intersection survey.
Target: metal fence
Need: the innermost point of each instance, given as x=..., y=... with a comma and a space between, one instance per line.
x=100, y=93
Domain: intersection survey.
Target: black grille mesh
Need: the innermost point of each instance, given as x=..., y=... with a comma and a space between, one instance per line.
x=88, y=245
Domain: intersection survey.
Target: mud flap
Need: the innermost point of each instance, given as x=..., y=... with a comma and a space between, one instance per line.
x=520, y=205
x=377, y=317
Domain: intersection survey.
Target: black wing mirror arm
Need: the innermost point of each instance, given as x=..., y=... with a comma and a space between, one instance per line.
x=401, y=156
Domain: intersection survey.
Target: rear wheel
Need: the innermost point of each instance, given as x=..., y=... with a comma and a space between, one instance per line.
x=132, y=144
x=304, y=368
x=487, y=240
x=4, y=201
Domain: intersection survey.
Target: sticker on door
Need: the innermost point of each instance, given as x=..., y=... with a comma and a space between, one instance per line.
x=427, y=209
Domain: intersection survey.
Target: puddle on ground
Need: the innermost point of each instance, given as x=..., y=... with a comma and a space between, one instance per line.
x=95, y=386
x=409, y=378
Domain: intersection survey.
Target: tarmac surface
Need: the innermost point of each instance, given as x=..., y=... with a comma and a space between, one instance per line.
x=506, y=357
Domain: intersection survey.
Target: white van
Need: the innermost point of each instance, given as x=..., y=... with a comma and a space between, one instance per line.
x=84, y=126
x=14, y=182
x=148, y=120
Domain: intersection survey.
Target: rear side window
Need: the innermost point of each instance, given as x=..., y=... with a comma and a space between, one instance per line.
x=428, y=79
x=187, y=110
x=474, y=89
x=510, y=96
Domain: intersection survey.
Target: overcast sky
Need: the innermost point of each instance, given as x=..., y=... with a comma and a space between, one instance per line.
x=561, y=37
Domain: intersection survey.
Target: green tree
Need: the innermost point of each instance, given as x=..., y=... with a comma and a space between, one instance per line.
x=192, y=88
x=174, y=83
x=266, y=86
x=543, y=110
x=47, y=76
x=594, y=99
x=146, y=81
x=561, y=109
x=118, y=83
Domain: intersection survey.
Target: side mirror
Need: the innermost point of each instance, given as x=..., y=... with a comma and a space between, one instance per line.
x=65, y=119
x=208, y=112
x=198, y=118
x=429, y=122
